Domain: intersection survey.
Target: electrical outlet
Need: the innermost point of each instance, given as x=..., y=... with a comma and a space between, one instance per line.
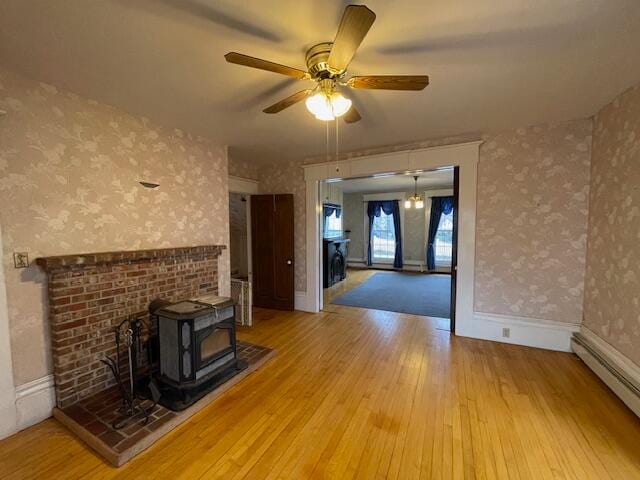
x=506, y=332
x=21, y=259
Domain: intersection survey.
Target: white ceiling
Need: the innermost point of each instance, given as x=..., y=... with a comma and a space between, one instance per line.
x=493, y=64
x=398, y=183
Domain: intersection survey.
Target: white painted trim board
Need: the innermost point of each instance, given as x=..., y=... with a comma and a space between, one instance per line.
x=35, y=401
x=464, y=155
x=8, y=413
x=301, y=302
x=526, y=331
x=243, y=185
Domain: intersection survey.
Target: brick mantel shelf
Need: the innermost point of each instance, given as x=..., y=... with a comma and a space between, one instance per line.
x=129, y=256
x=89, y=294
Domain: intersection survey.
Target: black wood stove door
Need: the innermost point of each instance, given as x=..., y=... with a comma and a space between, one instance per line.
x=213, y=343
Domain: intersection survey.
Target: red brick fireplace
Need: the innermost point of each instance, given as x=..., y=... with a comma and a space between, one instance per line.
x=90, y=294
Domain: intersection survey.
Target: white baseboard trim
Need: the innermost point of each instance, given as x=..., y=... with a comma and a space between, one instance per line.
x=34, y=401
x=530, y=332
x=408, y=265
x=7, y=413
x=614, y=368
x=302, y=303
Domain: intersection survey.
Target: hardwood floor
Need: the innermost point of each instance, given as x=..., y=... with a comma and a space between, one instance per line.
x=355, y=276
x=371, y=394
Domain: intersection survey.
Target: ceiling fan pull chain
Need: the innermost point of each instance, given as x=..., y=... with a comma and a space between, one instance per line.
x=327, y=141
x=337, y=156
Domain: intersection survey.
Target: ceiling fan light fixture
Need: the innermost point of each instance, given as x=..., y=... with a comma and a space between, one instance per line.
x=328, y=106
x=327, y=65
x=339, y=104
x=407, y=203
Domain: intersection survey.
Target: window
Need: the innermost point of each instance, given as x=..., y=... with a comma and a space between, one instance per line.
x=333, y=225
x=444, y=240
x=383, y=237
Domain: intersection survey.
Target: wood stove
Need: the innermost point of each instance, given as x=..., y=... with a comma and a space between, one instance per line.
x=197, y=349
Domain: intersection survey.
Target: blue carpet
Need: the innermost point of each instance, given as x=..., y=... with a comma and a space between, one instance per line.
x=402, y=292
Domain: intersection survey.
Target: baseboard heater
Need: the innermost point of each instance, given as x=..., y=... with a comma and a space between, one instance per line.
x=608, y=370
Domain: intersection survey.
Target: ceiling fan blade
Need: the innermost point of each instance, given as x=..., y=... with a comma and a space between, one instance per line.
x=247, y=61
x=287, y=102
x=390, y=82
x=352, y=116
x=356, y=22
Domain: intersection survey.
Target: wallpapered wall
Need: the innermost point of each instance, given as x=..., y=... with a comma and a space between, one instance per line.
x=243, y=168
x=530, y=263
x=612, y=290
x=532, y=204
x=288, y=177
x=353, y=220
x=69, y=169
x=413, y=237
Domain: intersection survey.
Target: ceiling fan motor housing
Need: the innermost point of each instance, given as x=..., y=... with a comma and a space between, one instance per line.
x=316, y=58
x=327, y=64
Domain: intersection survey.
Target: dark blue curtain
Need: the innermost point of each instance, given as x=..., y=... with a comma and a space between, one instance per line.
x=439, y=206
x=389, y=207
x=329, y=208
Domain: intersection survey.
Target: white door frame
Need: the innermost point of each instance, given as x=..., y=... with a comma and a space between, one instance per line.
x=8, y=412
x=464, y=155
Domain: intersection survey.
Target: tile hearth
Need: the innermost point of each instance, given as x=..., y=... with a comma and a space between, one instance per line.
x=91, y=418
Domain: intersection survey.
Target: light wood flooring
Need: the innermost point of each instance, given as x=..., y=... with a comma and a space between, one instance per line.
x=370, y=394
x=355, y=276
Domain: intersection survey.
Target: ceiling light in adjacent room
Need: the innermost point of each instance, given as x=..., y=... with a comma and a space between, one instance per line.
x=415, y=200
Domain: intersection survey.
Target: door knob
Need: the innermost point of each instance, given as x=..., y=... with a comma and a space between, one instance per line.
x=289, y=262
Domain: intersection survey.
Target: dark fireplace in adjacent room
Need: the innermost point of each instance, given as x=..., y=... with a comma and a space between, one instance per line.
x=334, y=261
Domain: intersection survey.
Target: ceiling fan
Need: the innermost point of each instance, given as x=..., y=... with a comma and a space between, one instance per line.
x=327, y=64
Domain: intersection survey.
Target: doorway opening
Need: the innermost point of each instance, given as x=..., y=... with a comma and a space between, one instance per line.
x=390, y=243
x=240, y=255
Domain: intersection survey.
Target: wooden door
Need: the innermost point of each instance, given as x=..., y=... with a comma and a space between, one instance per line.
x=272, y=251
x=454, y=249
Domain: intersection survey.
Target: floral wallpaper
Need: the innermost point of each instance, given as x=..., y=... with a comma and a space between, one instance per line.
x=69, y=172
x=288, y=177
x=531, y=224
x=414, y=232
x=533, y=188
x=353, y=220
x=612, y=290
x=243, y=168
